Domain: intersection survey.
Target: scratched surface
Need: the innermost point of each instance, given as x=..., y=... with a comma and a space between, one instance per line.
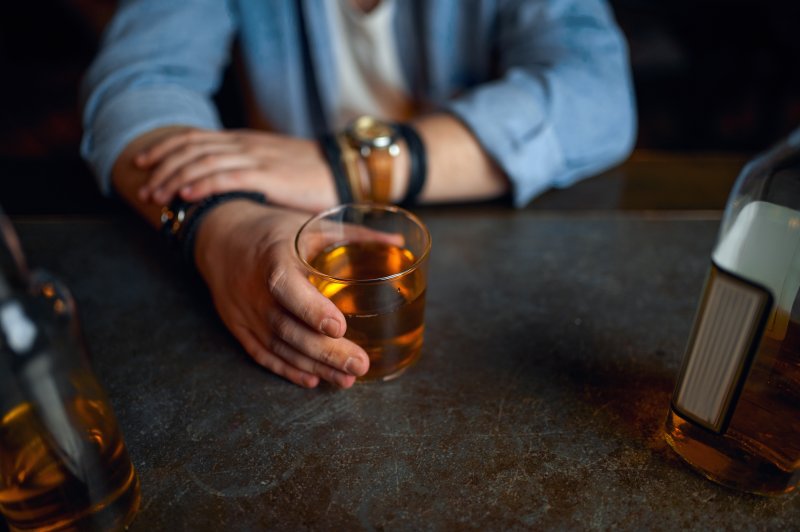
x=551, y=349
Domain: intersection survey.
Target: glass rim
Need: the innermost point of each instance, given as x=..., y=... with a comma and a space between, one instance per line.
x=364, y=207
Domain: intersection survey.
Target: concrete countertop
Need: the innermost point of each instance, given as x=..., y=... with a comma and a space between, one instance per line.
x=552, y=344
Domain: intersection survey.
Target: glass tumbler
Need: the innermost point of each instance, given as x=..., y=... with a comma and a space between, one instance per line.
x=371, y=261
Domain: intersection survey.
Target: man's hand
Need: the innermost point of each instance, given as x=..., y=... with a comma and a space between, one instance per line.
x=244, y=252
x=195, y=163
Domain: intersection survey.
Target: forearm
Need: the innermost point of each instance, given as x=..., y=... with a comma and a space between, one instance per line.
x=458, y=167
x=562, y=106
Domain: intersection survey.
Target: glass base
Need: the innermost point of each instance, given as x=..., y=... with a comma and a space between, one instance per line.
x=391, y=373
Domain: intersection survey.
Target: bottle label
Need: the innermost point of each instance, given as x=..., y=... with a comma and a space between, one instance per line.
x=726, y=333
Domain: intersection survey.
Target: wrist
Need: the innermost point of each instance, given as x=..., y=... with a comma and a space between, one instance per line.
x=375, y=160
x=214, y=232
x=213, y=235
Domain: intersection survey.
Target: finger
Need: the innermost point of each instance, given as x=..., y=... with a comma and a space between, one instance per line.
x=272, y=362
x=153, y=154
x=338, y=353
x=200, y=168
x=310, y=365
x=275, y=345
x=334, y=234
x=358, y=233
x=179, y=158
x=222, y=181
x=296, y=294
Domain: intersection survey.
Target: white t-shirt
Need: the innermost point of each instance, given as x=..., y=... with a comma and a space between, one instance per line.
x=369, y=77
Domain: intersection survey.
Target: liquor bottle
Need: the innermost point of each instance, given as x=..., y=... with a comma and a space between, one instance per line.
x=735, y=410
x=63, y=462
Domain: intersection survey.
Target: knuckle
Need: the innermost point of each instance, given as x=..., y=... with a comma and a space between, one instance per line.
x=277, y=366
x=184, y=173
x=308, y=313
x=331, y=375
x=156, y=177
x=192, y=135
x=327, y=354
x=282, y=325
x=276, y=280
x=185, y=151
x=209, y=160
x=260, y=356
x=274, y=344
x=323, y=370
x=220, y=178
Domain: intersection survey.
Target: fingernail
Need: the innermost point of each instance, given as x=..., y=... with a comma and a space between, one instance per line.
x=354, y=366
x=330, y=327
x=186, y=190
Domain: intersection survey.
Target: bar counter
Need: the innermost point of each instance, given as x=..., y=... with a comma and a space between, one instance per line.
x=552, y=344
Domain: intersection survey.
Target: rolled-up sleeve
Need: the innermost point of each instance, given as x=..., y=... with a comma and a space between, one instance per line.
x=563, y=107
x=159, y=64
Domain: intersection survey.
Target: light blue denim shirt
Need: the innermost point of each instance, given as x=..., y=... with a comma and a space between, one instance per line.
x=544, y=85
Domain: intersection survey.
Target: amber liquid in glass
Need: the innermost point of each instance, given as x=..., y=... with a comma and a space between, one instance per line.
x=37, y=491
x=760, y=450
x=386, y=318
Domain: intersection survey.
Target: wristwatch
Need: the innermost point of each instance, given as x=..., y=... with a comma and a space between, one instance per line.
x=376, y=143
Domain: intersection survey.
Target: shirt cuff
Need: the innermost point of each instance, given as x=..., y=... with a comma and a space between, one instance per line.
x=118, y=121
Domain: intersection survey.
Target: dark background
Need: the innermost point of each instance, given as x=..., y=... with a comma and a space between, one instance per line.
x=710, y=76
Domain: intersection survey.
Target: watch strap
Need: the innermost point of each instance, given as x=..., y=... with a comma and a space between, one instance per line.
x=350, y=161
x=380, y=169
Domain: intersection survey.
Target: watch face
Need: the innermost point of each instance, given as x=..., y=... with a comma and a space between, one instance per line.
x=366, y=130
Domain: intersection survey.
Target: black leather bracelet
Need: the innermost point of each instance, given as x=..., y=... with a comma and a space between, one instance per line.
x=188, y=236
x=330, y=148
x=418, y=163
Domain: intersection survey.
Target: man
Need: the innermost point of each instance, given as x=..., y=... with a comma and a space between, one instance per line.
x=504, y=96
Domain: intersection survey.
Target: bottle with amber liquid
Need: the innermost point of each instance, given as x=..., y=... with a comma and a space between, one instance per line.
x=63, y=462
x=735, y=411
